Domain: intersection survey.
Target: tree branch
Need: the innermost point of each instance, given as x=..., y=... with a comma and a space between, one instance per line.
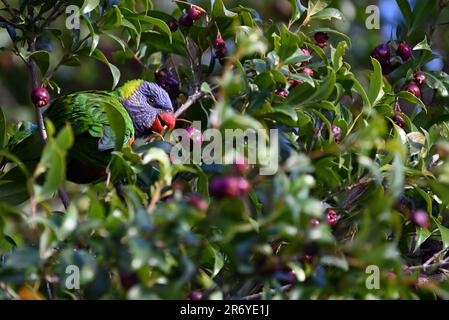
x=259, y=295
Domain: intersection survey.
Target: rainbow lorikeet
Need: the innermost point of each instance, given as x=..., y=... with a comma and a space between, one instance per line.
x=145, y=107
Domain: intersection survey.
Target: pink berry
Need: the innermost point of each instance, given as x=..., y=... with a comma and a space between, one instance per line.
x=307, y=53
x=421, y=218
x=308, y=71
x=281, y=93
x=219, y=43
x=314, y=222
x=332, y=217
x=241, y=164
x=40, y=97
x=198, y=202
x=222, y=187
x=336, y=132
x=195, y=295
x=195, y=135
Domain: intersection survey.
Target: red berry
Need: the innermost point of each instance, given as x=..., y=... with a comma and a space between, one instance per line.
x=195, y=13
x=195, y=295
x=336, y=132
x=195, y=135
x=229, y=187
x=172, y=25
x=185, y=20
x=281, y=93
x=308, y=71
x=332, y=216
x=420, y=78
x=321, y=39
x=198, y=202
x=399, y=120
x=219, y=43
x=40, y=97
x=404, y=51
x=421, y=218
x=413, y=89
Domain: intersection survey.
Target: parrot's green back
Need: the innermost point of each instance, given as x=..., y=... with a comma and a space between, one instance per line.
x=86, y=112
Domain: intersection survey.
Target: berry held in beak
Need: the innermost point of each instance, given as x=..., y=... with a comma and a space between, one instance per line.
x=164, y=119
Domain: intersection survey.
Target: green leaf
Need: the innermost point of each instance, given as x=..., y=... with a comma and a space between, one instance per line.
x=337, y=55
x=89, y=5
x=421, y=236
x=315, y=6
x=328, y=14
x=404, y=6
x=444, y=235
x=159, y=23
x=411, y=98
x=42, y=59
x=435, y=83
x=97, y=54
x=423, y=45
x=112, y=19
x=3, y=136
x=375, y=92
x=295, y=11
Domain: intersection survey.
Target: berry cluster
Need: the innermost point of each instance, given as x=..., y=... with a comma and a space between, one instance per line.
x=419, y=79
x=187, y=18
x=292, y=82
x=387, y=60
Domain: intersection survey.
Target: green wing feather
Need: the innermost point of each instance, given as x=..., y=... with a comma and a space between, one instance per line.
x=86, y=112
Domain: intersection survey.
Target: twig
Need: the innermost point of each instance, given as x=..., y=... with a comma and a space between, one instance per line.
x=8, y=7
x=189, y=102
x=259, y=295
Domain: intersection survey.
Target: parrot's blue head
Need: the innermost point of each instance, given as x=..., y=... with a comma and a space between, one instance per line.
x=148, y=105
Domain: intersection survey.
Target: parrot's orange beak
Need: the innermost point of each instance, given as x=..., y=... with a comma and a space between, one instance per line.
x=164, y=119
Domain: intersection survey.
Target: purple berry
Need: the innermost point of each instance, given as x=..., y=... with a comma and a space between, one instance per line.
x=222, y=187
x=128, y=279
x=420, y=78
x=195, y=295
x=40, y=97
x=185, y=20
x=382, y=53
x=195, y=13
x=421, y=218
x=195, y=135
x=399, y=120
x=336, y=132
x=321, y=39
x=172, y=25
x=404, y=51
x=413, y=89
x=332, y=217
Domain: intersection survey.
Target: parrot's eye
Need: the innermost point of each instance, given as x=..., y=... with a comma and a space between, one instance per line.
x=151, y=100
